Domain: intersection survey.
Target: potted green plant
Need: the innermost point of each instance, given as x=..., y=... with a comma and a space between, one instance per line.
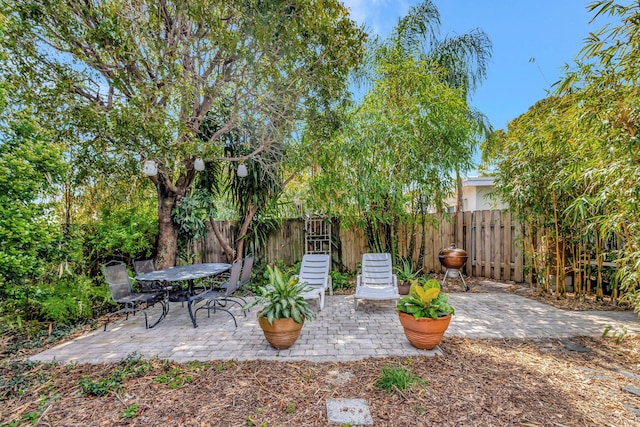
x=405, y=275
x=284, y=308
x=425, y=314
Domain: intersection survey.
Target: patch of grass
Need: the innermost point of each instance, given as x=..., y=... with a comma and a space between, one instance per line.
x=289, y=408
x=31, y=417
x=397, y=379
x=419, y=409
x=223, y=366
x=250, y=420
x=196, y=366
x=22, y=376
x=617, y=334
x=131, y=412
x=176, y=377
x=133, y=366
x=100, y=387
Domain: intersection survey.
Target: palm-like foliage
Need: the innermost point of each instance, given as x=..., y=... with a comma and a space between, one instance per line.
x=464, y=58
x=282, y=298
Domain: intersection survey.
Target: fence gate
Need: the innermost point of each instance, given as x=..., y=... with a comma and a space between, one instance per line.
x=317, y=235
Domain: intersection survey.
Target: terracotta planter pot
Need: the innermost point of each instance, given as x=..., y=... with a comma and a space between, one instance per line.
x=282, y=334
x=424, y=334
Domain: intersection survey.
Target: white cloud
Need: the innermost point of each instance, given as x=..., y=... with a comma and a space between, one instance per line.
x=357, y=9
x=380, y=16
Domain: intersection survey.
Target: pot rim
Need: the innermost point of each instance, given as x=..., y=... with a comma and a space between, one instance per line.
x=422, y=318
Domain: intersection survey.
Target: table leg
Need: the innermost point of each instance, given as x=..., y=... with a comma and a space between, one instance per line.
x=192, y=299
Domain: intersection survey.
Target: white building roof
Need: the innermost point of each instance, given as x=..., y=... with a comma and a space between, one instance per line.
x=478, y=181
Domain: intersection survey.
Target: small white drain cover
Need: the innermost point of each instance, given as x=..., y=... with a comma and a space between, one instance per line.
x=348, y=411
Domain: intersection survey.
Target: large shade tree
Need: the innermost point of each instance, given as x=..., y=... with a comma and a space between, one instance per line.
x=133, y=80
x=403, y=144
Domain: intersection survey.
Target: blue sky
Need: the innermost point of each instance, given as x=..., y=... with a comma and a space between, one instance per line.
x=532, y=40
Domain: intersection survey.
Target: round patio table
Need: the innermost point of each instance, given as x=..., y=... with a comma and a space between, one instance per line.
x=186, y=273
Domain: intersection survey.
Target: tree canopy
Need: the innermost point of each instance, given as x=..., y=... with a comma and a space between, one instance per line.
x=131, y=81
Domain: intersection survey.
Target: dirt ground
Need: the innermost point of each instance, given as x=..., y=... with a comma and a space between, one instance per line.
x=577, y=382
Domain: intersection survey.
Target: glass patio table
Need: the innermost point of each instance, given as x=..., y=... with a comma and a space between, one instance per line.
x=186, y=273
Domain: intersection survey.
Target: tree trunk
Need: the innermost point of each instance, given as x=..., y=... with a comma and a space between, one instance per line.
x=243, y=232
x=228, y=251
x=336, y=238
x=169, y=194
x=421, y=252
x=459, y=203
x=167, y=229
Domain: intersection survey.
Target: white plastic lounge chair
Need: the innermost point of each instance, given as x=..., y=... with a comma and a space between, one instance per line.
x=376, y=281
x=315, y=272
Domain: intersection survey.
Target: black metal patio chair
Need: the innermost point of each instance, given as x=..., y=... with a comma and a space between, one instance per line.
x=245, y=277
x=246, y=271
x=220, y=298
x=117, y=278
x=149, y=286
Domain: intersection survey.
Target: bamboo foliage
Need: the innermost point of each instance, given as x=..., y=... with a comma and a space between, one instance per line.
x=570, y=166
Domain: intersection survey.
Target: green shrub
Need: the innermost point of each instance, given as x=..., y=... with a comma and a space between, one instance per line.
x=122, y=232
x=341, y=280
x=30, y=167
x=72, y=299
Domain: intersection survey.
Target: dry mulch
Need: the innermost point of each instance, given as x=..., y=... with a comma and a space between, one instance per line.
x=577, y=382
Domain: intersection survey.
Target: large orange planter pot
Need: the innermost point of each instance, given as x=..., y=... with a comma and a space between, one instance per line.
x=424, y=334
x=282, y=334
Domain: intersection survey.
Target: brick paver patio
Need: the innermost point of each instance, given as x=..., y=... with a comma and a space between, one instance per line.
x=338, y=333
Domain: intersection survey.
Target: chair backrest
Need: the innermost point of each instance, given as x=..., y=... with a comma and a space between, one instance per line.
x=117, y=277
x=377, y=270
x=315, y=270
x=246, y=270
x=234, y=278
x=143, y=266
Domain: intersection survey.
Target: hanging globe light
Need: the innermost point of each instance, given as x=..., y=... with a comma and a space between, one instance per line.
x=150, y=168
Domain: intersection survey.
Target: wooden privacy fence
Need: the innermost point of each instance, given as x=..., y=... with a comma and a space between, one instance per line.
x=491, y=238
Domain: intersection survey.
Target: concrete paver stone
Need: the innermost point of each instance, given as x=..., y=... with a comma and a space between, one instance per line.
x=353, y=412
